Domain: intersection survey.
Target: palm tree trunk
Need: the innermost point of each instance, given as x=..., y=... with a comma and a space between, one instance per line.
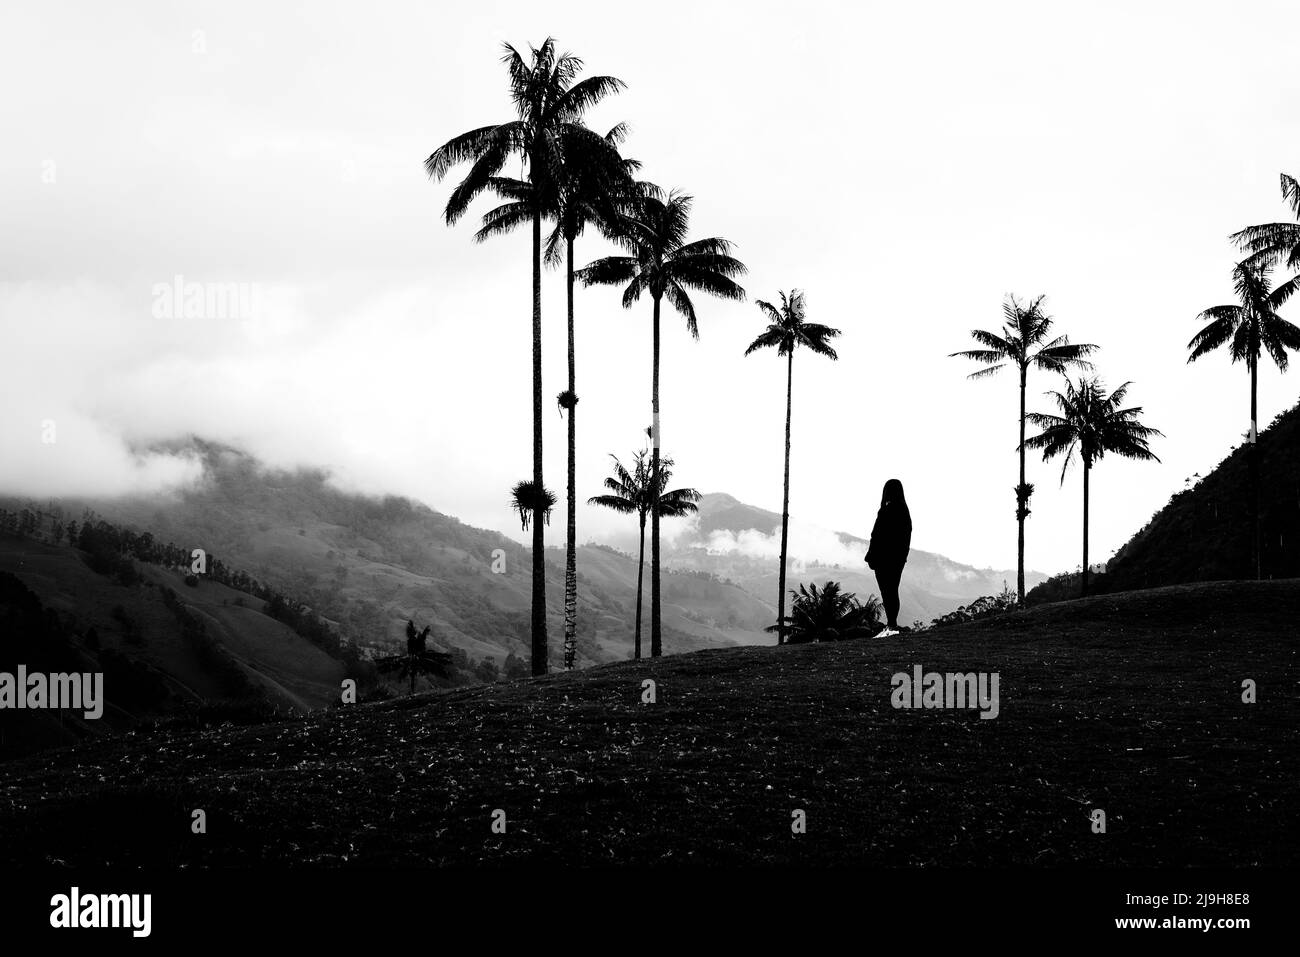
x=1253, y=453
x=1087, y=468
x=640, y=571
x=571, y=528
x=785, y=501
x=656, y=637
x=1021, y=502
x=539, y=540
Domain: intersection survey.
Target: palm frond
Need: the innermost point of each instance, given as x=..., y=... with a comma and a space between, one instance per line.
x=816, y=339
x=772, y=337
x=991, y=343
x=1222, y=325
x=711, y=280
x=994, y=359
x=608, y=271
x=714, y=248
x=1091, y=422
x=615, y=502
x=774, y=315
x=504, y=219
x=679, y=502
x=1060, y=354
x=582, y=96
x=681, y=301
x=1278, y=298
x=481, y=173
x=461, y=149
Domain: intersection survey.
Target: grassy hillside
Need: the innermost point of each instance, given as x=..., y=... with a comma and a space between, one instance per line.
x=1128, y=703
x=369, y=564
x=1204, y=532
x=244, y=654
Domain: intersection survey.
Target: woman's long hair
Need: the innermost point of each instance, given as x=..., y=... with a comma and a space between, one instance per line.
x=893, y=493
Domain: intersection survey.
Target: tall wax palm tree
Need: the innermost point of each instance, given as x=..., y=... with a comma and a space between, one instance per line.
x=1026, y=342
x=661, y=263
x=787, y=329
x=631, y=493
x=1092, y=423
x=1275, y=242
x=592, y=184
x=1250, y=329
x=548, y=103
x=596, y=179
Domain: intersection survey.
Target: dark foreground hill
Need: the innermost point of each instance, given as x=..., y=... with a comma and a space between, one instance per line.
x=1204, y=532
x=166, y=645
x=1128, y=703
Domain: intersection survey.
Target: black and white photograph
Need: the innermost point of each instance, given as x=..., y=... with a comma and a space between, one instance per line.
x=596, y=472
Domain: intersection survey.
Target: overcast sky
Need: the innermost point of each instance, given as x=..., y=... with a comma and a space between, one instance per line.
x=907, y=165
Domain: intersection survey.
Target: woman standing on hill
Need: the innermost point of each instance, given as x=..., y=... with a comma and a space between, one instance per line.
x=891, y=539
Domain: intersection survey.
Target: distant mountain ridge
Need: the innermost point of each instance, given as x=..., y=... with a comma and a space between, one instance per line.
x=720, y=511
x=932, y=585
x=367, y=564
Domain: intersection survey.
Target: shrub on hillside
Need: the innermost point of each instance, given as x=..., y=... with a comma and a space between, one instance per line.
x=829, y=615
x=515, y=667
x=984, y=607
x=1066, y=587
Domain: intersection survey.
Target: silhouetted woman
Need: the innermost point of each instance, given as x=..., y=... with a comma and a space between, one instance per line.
x=891, y=540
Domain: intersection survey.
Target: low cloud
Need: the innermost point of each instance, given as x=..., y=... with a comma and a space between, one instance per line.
x=392, y=387
x=96, y=377
x=808, y=544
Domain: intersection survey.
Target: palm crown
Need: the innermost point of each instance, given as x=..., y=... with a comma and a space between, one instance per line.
x=1025, y=342
x=788, y=328
x=549, y=107
x=1275, y=242
x=1093, y=424
x=597, y=186
x=661, y=262
x=589, y=190
x=1254, y=325
x=632, y=491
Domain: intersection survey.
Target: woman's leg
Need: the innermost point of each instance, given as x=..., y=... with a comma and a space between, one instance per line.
x=888, y=579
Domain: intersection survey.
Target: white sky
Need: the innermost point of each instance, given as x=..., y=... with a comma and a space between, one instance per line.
x=908, y=165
